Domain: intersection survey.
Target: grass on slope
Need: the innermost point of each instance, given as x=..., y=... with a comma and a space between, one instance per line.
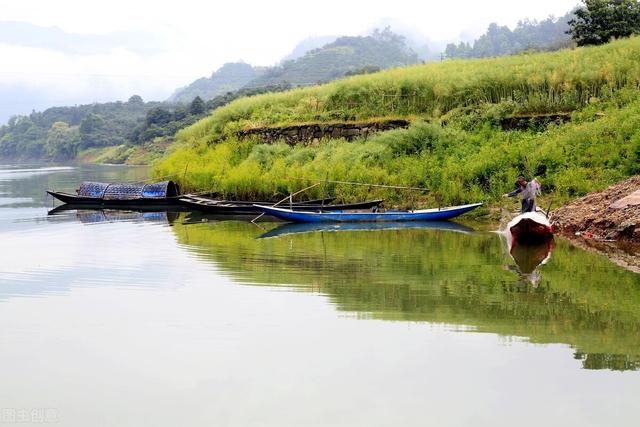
x=600, y=146
x=533, y=83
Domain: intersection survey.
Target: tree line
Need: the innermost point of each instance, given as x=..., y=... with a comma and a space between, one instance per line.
x=60, y=133
x=595, y=22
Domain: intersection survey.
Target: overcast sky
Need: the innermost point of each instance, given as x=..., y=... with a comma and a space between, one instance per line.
x=108, y=50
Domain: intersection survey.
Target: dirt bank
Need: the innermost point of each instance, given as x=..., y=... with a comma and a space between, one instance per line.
x=612, y=214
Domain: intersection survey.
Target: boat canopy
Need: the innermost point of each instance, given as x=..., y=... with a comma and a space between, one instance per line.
x=115, y=191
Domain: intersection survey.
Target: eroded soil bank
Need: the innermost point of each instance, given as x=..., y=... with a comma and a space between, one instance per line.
x=609, y=215
x=607, y=222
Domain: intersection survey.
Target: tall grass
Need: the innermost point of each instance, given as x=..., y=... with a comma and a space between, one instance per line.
x=533, y=83
x=457, y=165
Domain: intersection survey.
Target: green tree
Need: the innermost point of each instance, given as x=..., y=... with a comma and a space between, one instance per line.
x=599, y=21
x=136, y=99
x=197, y=106
x=158, y=116
x=62, y=141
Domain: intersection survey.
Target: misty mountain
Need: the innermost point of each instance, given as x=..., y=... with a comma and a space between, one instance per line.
x=426, y=48
x=228, y=78
x=310, y=43
x=381, y=49
x=342, y=56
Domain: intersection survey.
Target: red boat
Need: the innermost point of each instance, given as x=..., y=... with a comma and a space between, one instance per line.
x=530, y=228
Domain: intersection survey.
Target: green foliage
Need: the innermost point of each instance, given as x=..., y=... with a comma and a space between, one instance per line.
x=600, y=21
x=457, y=165
x=93, y=125
x=197, y=106
x=162, y=122
x=62, y=141
x=367, y=69
x=462, y=156
x=548, y=34
x=43, y=135
x=534, y=83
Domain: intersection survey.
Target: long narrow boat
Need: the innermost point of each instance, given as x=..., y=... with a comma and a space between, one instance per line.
x=165, y=193
x=211, y=206
x=214, y=201
x=387, y=216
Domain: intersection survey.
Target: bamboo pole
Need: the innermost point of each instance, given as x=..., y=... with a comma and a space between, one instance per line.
x=290, y=198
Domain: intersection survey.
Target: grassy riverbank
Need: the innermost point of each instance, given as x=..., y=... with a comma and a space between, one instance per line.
x=455, y=145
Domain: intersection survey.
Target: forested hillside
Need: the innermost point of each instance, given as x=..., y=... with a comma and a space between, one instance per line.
x=109, y=132
x=63, y=133
x=60, y=132
x=548, y=34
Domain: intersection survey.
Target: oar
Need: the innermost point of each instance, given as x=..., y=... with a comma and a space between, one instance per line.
x=549, y=209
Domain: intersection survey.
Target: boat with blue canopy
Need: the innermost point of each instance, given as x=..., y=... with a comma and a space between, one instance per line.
x=436, y=214
x=121, y=194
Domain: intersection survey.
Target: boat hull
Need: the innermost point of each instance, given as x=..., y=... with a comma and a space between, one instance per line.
x=388, y=216
x=530, y=228
x=240, y=208
x=73, y=199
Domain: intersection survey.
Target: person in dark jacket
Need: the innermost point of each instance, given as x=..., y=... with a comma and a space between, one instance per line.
x=529, y=191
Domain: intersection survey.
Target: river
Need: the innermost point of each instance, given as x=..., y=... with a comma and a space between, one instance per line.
x=174, y=318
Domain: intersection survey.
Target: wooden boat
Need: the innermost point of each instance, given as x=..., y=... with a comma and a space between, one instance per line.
x=165, y=193
x=313, y=227
x=230, y=207
x=354, y=216
x=530, y=228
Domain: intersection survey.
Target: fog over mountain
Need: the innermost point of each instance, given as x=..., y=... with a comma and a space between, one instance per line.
x=71, y=52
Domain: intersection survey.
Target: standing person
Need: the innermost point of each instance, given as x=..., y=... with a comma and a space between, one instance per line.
x=529, y=191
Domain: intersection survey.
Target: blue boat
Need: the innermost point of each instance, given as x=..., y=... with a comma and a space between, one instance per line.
x=435, y=214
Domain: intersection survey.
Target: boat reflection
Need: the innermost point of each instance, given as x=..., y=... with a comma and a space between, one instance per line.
x=196, y=217
x=528, y=258
x=299, y=228
x=93, y=216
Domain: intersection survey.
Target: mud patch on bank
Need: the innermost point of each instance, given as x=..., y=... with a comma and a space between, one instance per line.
x=609, y=215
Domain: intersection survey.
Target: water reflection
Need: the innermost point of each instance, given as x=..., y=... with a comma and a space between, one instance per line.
x=439, y=276
x=293, y=228
x=528, y=258
x=91, y=216
x=149, y=310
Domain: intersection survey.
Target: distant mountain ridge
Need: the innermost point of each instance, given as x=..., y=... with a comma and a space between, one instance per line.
x=228, y=78
x=310, y=43
x=342, y=56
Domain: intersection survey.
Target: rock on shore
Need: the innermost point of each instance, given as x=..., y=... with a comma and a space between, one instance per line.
x=611, y=214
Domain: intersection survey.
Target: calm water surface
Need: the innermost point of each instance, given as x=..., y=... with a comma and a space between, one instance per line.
x=179, y=319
